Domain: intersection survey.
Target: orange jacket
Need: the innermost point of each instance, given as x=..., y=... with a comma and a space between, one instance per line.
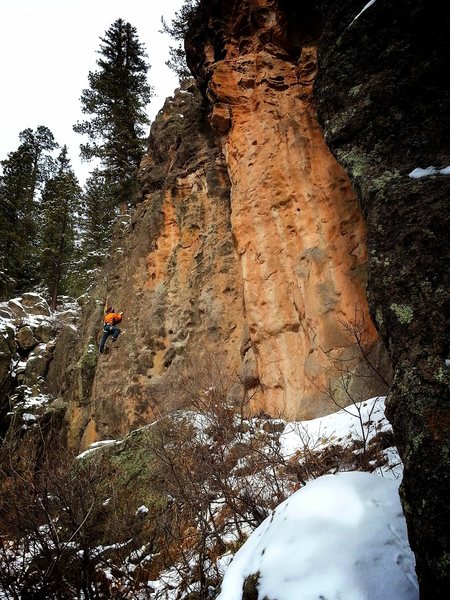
x=112, y=318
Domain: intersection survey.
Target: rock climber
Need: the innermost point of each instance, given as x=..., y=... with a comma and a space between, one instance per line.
x=109, y=326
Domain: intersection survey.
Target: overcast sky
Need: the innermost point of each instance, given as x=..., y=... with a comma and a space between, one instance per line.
x=48, y=47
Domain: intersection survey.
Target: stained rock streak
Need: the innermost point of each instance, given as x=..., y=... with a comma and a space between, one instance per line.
x=298, y=231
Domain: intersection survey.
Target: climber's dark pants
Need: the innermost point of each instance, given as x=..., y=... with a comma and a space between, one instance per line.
x=107, y=331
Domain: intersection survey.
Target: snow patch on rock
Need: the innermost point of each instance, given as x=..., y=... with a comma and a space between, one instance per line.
x=418, y=172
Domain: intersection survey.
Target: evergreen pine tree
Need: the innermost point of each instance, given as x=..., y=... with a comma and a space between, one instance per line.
x=25, y=171
x=116, y=101
x=60, y=213
x=98, y=219
x=14, y=185
x=178, y=28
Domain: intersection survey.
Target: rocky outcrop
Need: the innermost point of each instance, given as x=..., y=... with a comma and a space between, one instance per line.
x=299, y=233
x=383, y=106
x=247, y=245
x=173, y=273
x=383, y=101
x=258, y=273
x=33, y=340
x=7, y=352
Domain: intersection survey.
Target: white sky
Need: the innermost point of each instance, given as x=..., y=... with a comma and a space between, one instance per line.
x=48, y=47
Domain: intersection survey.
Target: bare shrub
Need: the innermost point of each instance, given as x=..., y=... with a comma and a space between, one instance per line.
x=359, y=373
x=64, y=526
x=219, y=470
x=223, y=472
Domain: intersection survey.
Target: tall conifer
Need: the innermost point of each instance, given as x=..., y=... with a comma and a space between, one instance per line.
x=116, y=99
x=177, y=29
x=98, y=219
x=60, y=213
x=25, y=172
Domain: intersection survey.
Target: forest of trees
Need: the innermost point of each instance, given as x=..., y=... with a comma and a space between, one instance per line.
x=54, y=232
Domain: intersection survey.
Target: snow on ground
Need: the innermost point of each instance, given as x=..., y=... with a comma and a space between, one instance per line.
x=341, y=427
x=6, y=323
x=360, y=421
x=34, y=402
x=302, y=538
x=341, y=536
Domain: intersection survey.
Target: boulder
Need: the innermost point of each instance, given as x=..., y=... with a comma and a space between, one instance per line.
x=25, y=338
x=16, y=307
x=7, y=350
x=31, y=299
x=35, y=304
x=37, y=365
x=6, y=312
x=44, y=332
x=40, y=309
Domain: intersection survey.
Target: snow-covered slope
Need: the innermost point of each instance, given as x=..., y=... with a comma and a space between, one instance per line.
x=342, y=536
x=360, y=422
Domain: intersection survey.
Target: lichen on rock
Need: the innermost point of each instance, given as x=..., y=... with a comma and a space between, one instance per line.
x=408, y=229
x=403, y=313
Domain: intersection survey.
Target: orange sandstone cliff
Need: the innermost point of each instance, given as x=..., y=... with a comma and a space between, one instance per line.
x=298, y=230
x=247, y=244
x=174, y=274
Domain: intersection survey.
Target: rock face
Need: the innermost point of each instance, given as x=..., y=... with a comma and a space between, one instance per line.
x=247, y=246
x=383, y=101
x=298, y=230
x=174, y=275
x=7, y=352
x=258, y=272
